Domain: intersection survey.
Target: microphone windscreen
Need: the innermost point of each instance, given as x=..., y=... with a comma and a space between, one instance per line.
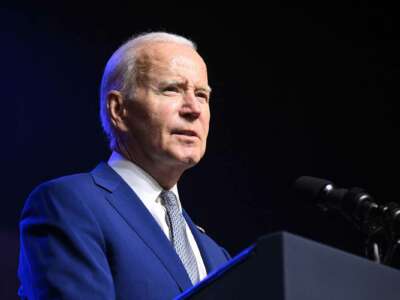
x=309, y=188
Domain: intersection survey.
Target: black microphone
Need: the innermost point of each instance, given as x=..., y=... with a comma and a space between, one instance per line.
x=381, y=222
x=355, y=204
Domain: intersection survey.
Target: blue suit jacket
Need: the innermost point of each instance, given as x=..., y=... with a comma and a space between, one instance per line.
x=88, y=236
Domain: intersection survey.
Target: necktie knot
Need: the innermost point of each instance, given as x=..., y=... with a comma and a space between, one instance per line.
x=169, y=199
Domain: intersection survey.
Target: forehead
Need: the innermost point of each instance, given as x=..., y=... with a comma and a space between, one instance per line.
x=171, y=60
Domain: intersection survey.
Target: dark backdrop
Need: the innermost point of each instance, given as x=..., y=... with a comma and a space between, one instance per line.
x=298, y=89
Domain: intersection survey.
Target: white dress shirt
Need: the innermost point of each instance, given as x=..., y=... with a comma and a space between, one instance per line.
x=148, y=191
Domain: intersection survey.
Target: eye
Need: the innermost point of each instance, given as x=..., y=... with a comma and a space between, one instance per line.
x=203, y=95
x=170, y=89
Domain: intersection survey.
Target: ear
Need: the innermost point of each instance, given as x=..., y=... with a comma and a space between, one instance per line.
x=116, y=110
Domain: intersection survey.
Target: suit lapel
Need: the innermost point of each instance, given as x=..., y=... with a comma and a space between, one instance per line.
x=208, y=259
x=133, y=211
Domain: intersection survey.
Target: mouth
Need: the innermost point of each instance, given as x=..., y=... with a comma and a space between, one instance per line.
x=187, y=133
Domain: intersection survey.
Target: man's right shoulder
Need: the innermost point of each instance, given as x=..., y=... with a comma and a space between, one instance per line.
x=65, y=183
x=70, y=188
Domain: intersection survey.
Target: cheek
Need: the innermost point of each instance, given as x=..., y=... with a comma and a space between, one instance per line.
x=206, y=122
x=161, y=128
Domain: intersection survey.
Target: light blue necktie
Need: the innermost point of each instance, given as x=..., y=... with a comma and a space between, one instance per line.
x=178, y=235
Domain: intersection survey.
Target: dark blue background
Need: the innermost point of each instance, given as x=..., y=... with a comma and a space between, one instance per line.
x=298, y=89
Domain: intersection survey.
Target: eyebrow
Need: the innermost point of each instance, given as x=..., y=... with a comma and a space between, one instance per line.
x=205, y=89
x=184, y=84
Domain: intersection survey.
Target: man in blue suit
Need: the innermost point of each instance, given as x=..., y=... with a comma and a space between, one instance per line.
x=119, y=232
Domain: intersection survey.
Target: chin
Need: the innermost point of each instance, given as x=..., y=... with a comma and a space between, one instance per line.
x=189, y=160
x=185, y=157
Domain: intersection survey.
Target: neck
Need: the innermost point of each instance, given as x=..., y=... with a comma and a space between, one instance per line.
x=165, y=175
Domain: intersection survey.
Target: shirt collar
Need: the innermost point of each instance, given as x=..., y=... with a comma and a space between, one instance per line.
x=144, y=185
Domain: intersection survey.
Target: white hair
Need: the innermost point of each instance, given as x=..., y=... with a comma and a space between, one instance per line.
x=120, y=73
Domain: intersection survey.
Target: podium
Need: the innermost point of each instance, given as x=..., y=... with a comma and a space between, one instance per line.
x=283, y=266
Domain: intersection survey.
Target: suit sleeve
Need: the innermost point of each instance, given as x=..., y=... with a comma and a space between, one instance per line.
x=62, y=250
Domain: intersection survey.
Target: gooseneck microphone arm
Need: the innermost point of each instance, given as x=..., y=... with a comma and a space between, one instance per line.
x=381, y=223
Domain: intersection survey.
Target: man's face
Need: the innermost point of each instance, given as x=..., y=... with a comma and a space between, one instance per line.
x=168, y=117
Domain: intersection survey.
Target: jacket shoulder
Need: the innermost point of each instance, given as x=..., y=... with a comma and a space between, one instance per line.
x=61, y=190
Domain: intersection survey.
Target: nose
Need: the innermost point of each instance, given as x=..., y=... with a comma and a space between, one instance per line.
x=191, y=108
